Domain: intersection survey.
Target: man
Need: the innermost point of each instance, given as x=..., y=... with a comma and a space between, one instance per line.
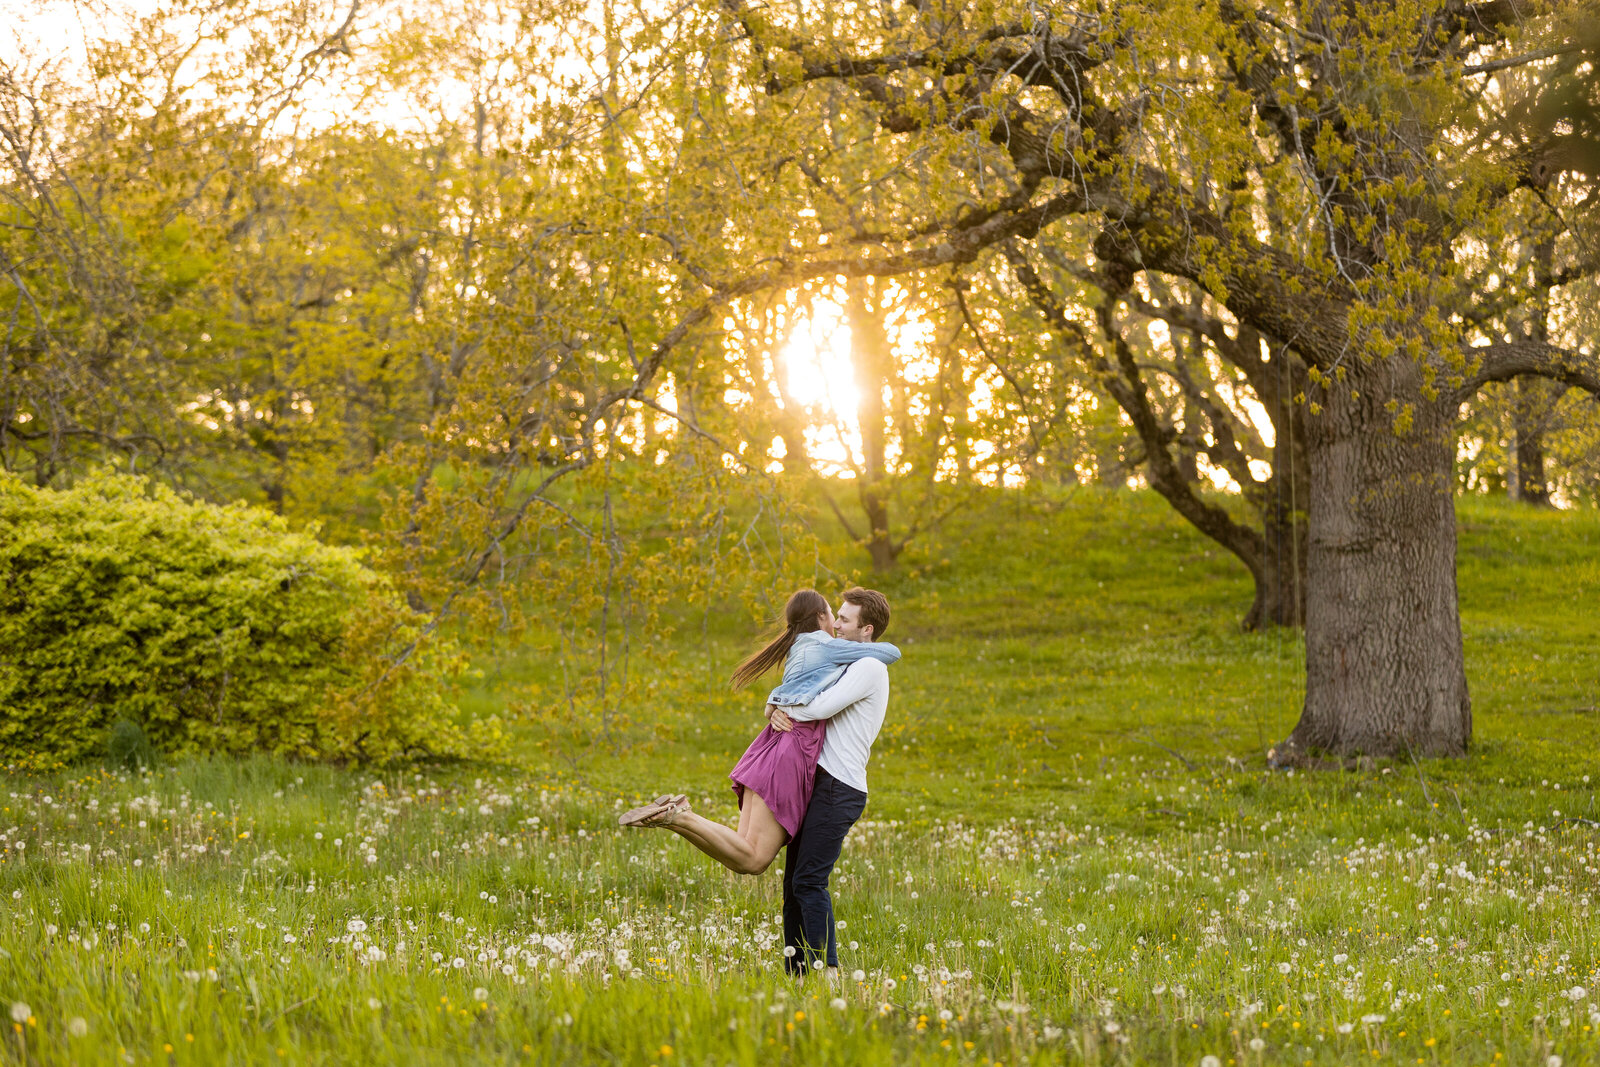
x=854, y=707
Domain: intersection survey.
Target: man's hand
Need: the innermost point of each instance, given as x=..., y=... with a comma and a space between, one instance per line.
x=779, y=719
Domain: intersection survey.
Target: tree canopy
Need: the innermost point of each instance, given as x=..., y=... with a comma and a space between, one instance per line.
x=519, y=290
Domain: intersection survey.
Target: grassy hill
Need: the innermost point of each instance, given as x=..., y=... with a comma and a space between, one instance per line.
x=1073, y=852
x=1044, y=632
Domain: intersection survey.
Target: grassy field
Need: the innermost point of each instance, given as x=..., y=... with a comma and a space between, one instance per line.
x=1073, y=853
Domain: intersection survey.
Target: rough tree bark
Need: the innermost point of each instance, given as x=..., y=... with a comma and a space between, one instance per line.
x=1384, y=666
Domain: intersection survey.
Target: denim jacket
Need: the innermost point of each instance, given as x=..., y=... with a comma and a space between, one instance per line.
x=816, y=661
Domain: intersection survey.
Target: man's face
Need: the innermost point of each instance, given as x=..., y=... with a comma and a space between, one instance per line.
x=848, y=623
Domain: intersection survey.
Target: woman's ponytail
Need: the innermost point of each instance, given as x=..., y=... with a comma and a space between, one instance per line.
x=799, y=617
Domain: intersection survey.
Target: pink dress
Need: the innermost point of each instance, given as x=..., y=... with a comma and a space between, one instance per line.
x=781, y=768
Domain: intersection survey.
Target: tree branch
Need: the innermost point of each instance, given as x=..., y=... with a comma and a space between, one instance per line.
x=1127, y=388
x=1522, y=60
x=1507, y=360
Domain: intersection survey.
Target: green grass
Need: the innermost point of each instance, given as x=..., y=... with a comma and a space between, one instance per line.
x=1072, y=847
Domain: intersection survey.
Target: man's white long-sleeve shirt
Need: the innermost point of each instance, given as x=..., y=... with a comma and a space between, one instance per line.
x=854, y=707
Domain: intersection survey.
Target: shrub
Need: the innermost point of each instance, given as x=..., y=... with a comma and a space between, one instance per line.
x=210, y=629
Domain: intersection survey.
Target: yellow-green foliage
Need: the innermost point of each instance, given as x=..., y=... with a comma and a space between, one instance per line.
x=214, y=628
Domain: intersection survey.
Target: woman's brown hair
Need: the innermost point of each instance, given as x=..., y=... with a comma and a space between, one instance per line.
x=799, y=617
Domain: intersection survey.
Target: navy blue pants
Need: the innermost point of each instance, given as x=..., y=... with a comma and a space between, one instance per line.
x=808, y=864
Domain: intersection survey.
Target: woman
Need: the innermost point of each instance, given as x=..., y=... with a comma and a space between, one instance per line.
x=773, y=778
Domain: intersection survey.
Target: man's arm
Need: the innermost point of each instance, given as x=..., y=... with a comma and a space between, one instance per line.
x=861, y=678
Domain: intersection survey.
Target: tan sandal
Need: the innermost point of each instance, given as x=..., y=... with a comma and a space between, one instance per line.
x=678, y=805
x=647, y=814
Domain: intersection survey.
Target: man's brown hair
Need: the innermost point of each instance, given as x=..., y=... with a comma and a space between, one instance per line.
x=874, y=609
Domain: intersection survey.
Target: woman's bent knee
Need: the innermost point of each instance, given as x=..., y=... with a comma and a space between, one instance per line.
x=753, y=865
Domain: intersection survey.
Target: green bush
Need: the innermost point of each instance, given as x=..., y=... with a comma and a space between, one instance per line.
x=210, y=628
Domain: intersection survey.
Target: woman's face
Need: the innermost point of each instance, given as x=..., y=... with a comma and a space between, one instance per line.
x=825, y=620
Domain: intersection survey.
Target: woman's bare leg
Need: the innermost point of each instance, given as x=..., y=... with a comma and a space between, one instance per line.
x=748, y=850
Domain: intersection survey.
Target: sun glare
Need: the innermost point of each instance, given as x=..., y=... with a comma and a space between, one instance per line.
x=821, y=379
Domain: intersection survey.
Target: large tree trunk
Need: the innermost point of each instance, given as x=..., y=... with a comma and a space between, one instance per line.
x=1384, y=673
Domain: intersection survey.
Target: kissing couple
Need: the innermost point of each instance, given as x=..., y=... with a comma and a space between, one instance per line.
x=803, y=780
